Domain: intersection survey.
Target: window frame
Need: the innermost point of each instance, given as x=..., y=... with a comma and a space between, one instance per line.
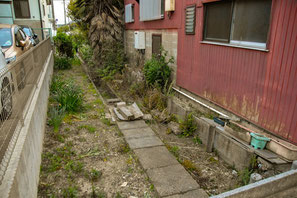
x=22, y=17
x=194, y=23
x=233, y=43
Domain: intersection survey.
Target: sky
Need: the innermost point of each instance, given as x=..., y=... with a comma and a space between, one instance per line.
x=59, y=11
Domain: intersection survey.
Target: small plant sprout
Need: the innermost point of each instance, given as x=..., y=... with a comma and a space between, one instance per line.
x=188, y=126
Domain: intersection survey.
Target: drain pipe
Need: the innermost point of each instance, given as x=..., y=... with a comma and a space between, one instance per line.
x=201, y=103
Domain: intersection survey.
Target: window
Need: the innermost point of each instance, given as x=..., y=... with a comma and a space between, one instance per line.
x=156, y=44
x=21, y=8
x=190, y=19
x=238, y=22
x=151, y=10
x=129, y=13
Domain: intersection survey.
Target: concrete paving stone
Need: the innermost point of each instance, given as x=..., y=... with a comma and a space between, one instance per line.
x=138, y=133
x=132, y=125
x=172, y=180
x=144, y=142
x=199, y=193
x=155, y=157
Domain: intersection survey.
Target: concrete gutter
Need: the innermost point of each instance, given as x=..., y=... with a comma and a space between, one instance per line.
x=280, y=185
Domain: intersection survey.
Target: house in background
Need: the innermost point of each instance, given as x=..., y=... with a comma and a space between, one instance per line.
x=35, y=13
x=240, y=55
x=60, y=7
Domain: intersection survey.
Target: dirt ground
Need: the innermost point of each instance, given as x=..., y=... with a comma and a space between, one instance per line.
x=88, y=157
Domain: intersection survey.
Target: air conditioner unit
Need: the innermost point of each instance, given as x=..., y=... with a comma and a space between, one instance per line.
x=139, y=41
x=169, y=5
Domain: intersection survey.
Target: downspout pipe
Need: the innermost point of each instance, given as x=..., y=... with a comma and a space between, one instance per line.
x=201, y=103
x=41, y=25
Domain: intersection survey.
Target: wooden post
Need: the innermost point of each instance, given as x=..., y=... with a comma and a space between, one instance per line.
x=210, y=139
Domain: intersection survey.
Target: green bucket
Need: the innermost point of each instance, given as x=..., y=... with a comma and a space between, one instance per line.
x=259, y=141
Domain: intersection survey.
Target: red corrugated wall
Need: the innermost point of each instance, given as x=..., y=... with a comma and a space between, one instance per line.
x=258, y=86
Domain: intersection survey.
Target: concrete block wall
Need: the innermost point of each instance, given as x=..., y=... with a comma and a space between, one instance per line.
x=22, y=175
x=169, y=43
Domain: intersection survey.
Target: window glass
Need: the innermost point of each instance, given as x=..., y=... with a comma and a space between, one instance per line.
x=18, y=38
x=218, y=21
x=251, y=20
x=27, y=31
x=5, y=37
x=21, y=8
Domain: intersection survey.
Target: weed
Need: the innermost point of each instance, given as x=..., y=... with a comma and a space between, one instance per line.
x=89, y=128
x=54, y=162
x=244, y=176
x=189, y=165
x=97, y=193
x=213, y=160
x=174, y=150
x=75, y=61
x=106, y=121
x=123, y=148
x=138, y=89
x=197, y=140
x=70, y=192
x=152, y=187
x=55, y=117
x=94, y=175
x=188, y=126
x=74, y=166
x=62, y=63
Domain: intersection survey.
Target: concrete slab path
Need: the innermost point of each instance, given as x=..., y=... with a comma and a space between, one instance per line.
x=168, y=176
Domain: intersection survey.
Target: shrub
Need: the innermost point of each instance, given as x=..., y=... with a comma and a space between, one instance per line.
x=188, y=126
x=157, y=71
x=86, y=53
x=64, y=45
x=62, y=63
x=113, y=59
x=63, y=29
x=154, y=99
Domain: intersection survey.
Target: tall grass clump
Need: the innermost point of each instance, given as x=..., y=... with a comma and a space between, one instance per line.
x=188, y=126
x=68, y=95
x=56, y=115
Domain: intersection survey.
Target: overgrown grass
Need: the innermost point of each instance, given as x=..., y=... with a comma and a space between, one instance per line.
x=62, y=62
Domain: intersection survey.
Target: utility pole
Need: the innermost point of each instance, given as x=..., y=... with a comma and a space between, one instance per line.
x=64, y=12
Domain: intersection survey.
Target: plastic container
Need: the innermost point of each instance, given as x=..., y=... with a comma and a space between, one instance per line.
x=259, y=141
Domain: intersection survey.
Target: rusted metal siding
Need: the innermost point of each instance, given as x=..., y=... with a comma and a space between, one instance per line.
x=258, y=86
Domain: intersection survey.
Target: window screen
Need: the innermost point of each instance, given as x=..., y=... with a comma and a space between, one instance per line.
x=251, y=20
x=151, y=10
x=190, y=20
x=21, y=8
x=218, y=21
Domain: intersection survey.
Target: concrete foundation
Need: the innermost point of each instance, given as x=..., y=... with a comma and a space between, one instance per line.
x=22, y=175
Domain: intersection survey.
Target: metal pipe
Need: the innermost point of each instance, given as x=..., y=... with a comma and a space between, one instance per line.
x=41, y=24
x=201, y=103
